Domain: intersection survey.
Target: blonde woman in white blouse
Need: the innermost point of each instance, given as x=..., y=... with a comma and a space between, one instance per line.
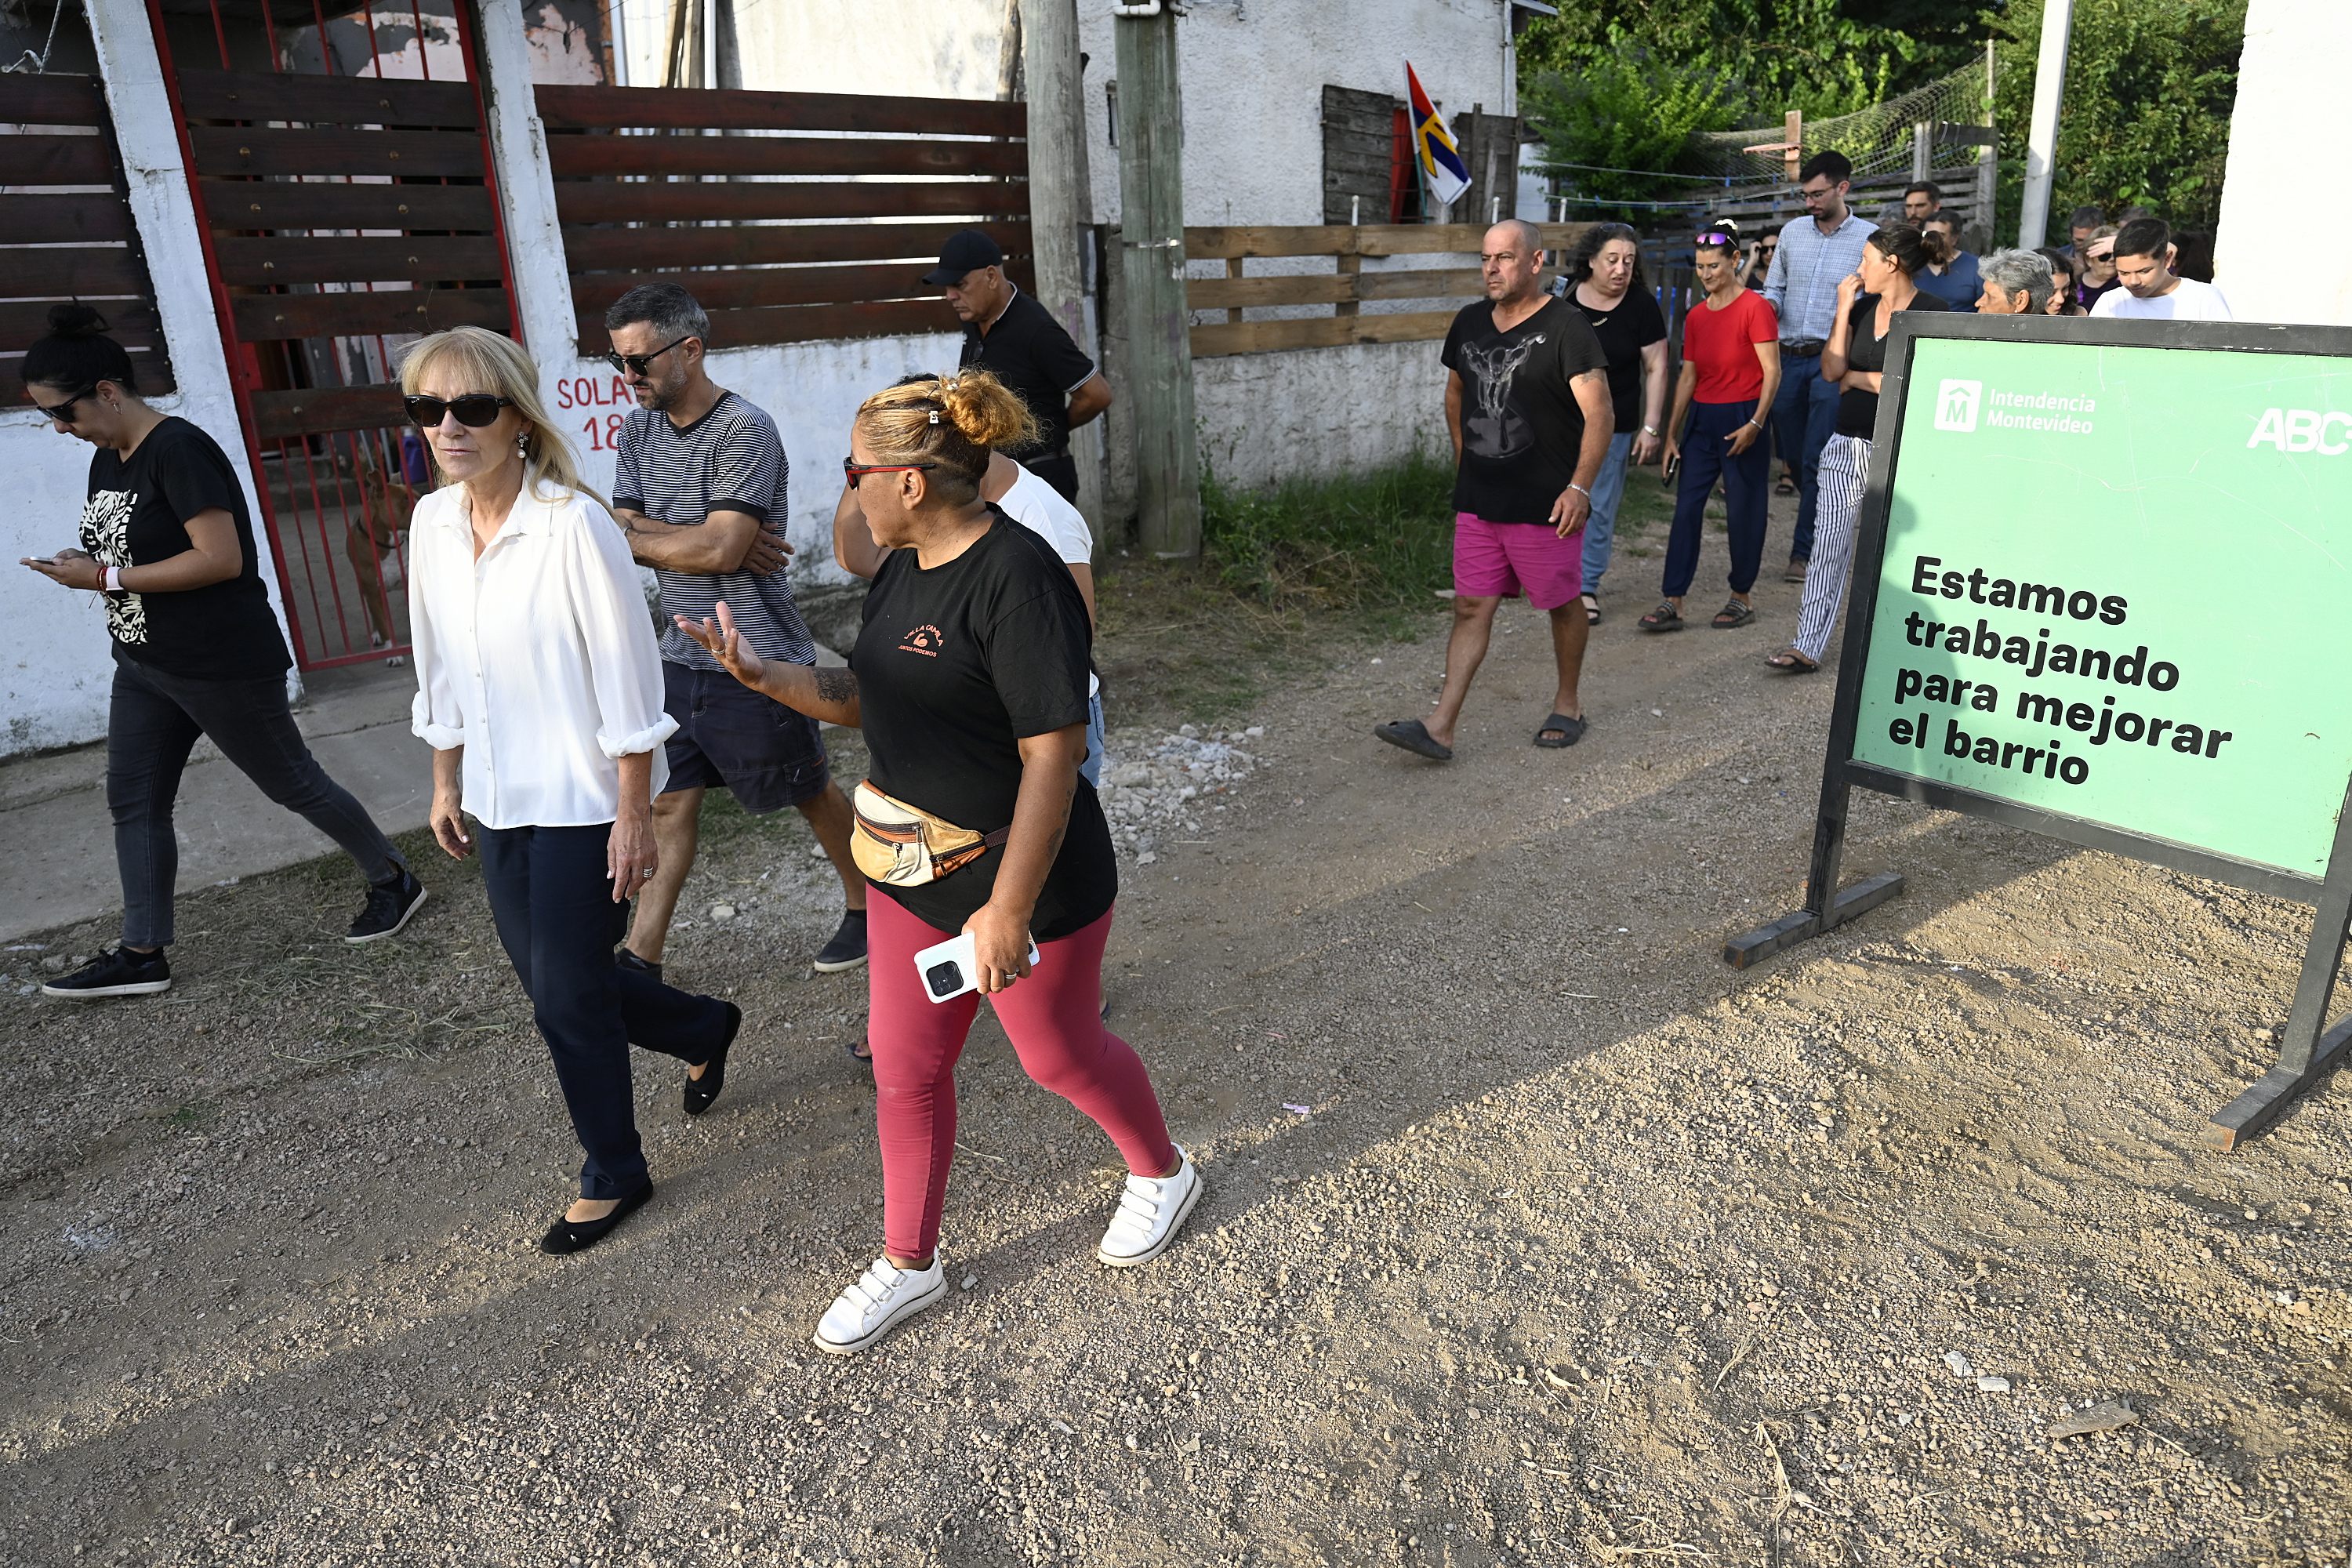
x=540, y=690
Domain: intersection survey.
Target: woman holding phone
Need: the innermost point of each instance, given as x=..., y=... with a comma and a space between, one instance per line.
x=970, y=681
x=540, y=690
x=168, y=546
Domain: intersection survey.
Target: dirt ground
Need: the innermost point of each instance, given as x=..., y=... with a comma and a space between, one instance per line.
x=1533, y=1234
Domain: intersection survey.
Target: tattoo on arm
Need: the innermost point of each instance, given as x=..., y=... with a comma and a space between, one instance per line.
x=835, y=685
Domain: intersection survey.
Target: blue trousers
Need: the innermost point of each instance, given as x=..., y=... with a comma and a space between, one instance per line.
x=1608, y=494
x=1746, y=484
x=556, y=917
x=1803, y=418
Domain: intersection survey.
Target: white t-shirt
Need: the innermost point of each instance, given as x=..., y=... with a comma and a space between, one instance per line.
x=2189, y=301
x=1039, y=507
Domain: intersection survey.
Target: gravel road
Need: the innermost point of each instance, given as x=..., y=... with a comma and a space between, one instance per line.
x=1533, y=1235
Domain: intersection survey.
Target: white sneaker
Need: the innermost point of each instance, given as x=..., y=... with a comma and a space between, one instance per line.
x=884, y=1297
x=1150, y=1212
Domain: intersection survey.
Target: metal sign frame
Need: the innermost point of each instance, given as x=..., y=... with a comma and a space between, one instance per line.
x=2308, y=1050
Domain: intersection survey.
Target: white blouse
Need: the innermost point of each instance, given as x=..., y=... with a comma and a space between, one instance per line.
x=539, y=659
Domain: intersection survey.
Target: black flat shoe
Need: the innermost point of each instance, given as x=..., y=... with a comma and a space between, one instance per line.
x=701, y=1091
x=566, y=1237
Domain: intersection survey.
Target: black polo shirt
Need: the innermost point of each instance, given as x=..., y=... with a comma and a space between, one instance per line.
x=1028, y=351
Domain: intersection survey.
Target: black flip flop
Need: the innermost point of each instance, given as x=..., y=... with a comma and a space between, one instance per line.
x=1571, y=731
x=1592, y=610
x=1789, y=661
x=1414, y=737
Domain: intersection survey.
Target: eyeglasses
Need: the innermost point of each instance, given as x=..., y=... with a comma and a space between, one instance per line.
x=853, y=471
x=474, y=410
x=634, y=364
x=63, y=412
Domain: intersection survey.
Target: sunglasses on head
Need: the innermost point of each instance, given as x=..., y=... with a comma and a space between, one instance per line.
x=63, y=412
x=634, y=364
x=474, y=410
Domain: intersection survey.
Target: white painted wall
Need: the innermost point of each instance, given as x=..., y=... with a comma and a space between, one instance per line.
x=2290, y=82
x=56, y=662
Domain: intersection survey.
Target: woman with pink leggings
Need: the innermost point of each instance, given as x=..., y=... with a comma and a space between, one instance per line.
x=970, y=678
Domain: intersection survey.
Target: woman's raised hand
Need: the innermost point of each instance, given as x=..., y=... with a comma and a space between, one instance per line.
x=725, y=644
x=1849, y=287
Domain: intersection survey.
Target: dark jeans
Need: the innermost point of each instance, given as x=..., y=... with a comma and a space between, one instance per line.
x=1747, y=486
x=1803, y=418
x=151, y=728
x=557, y=919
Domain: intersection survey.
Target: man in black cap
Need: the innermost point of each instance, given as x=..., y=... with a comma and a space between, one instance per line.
x=1012, y=335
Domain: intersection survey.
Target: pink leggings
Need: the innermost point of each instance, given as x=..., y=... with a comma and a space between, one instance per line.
x=1054, y=1020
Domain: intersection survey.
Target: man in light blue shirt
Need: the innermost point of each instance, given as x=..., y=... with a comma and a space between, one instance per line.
x=1802, y=287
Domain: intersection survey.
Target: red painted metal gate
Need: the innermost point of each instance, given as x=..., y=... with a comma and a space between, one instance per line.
x=345, y=190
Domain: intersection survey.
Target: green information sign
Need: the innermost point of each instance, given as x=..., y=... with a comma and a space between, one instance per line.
x=2098, y=593
x=2114, y=584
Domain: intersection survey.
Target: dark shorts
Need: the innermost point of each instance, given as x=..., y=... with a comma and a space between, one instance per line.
x=1060, y=472
x=769, y=756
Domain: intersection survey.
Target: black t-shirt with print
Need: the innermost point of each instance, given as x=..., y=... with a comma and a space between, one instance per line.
x=955, y=667
x=137, y=514
x=1625, y=329
x=1521, y=426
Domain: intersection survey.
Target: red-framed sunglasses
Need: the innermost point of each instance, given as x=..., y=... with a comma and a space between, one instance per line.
x=851, y=471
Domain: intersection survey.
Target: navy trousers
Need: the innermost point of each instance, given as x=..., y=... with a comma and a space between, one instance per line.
x=1747, y=489
x=559, y=924
x=1803, y=419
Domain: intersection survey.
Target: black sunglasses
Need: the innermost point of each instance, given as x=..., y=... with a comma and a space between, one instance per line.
x=634, y=364
x=474, y=410
x=63, y=412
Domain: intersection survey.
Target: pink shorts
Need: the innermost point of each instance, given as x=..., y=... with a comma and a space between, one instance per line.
x=1496, y=560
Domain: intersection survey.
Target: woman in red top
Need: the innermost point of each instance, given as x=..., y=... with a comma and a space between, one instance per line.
x=1731, y=368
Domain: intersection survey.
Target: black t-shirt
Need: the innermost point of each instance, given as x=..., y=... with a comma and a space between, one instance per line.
x=1521, y=427
x=1028, y=351
x=137, y=514
x=1858, y=411
x=954, y=665
x=1625, y=329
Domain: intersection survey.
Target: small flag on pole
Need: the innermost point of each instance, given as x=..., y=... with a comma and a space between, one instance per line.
x=1442, y=168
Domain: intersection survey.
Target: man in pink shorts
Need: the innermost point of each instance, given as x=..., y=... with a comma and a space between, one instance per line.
x=1526, y=398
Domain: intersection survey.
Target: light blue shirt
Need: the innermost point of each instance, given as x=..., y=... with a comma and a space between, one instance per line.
x=1806, y=271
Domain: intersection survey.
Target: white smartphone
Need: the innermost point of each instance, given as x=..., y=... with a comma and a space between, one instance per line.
x=953, y=968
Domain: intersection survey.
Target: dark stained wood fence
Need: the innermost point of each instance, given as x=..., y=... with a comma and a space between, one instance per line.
x=792, y=216
x=58, y=245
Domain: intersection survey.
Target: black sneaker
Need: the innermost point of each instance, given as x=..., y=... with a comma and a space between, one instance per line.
x=847, y=948
x=122, y=972
x=630, y=960
x=390, y=906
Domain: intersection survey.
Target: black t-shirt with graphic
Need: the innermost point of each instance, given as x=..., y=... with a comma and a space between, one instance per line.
x=956, y=665
x=1521, y=427
x=137, y=514
x=1624, y=330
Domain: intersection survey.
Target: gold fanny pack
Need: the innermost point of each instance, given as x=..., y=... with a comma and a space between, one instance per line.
x=903, y=846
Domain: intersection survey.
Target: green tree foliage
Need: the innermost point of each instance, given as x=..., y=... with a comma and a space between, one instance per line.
x=2150, y=85
x=1625, y=84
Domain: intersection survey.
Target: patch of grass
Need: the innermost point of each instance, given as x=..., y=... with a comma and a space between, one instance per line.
x=1368, y=545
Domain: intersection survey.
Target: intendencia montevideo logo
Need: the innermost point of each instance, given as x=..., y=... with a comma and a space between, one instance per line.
x=1963, y=405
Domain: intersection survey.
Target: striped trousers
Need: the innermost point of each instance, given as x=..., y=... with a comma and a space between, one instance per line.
x=1845, y=462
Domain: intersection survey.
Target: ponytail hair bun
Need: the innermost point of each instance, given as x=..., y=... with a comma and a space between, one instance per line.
x=949, y=424
x=1912, y=246
x=986, y=412
x=77, y=354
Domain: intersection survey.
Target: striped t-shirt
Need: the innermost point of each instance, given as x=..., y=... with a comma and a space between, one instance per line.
x=730, y=459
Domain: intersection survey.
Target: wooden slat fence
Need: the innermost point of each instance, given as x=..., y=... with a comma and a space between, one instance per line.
x=76, y=242
x=1344, y=288
x=792, y=216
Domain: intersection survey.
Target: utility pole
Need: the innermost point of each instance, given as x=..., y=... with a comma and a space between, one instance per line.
x=2041, y=134
x=1151, y=257
x=1061, y=205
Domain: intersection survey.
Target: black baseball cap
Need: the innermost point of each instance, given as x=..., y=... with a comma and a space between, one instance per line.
x=966, y=252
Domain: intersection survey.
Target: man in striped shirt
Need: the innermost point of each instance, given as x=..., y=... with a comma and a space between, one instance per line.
x=1814, y=257
x=699, y=484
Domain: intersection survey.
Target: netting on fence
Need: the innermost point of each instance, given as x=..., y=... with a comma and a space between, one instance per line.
x=1878, y=139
